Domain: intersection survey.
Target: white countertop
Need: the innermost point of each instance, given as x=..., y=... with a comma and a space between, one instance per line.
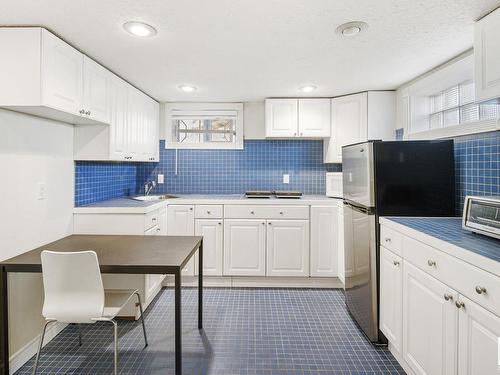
x=127, y=205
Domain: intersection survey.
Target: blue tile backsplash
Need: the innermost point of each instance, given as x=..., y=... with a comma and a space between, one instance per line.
x=98, y=181
x=259, y=166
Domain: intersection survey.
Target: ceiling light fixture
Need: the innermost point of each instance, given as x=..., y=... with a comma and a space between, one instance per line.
x=187, y=88
x=307, y=88
x=139, y=29
x=350, y=29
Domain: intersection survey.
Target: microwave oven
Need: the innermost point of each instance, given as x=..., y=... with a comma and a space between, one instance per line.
x=482, y=215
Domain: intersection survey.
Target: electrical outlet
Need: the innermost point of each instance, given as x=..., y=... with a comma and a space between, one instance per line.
x=41, y=191
x=161, y=179
x=286, y=178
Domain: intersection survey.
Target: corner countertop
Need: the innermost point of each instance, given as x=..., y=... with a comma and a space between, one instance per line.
x=447, y=234
x=127, y=205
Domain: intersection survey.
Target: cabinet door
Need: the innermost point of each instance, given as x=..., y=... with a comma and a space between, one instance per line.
x=314, y=118
x=152, y=281
x=429, y=324
x=478, y=333
x=152, y=141
x=340, y=241
x=281, y=118
x=119, y=120
x=288, y=248
x=134, y=124
x=244, y=248
x=391, y=297
x=349, y=124
x=324, y=241
x=180, y=222
x=62, y=75
x=211, y=230
x=96, y=91
x=487, y=57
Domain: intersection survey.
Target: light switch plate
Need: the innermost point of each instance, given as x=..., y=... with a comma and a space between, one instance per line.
x=161, y=179
x=41, y=191
x=286, y=178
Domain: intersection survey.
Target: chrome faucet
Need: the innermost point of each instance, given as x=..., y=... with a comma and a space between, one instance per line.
x=148, y=186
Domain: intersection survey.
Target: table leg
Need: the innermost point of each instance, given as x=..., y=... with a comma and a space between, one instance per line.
x=200, y=286
x=178, y=326
x=4, y=327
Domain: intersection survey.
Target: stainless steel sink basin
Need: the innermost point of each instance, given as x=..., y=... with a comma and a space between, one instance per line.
x=152, y=198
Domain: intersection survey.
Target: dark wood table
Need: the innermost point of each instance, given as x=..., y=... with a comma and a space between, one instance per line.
x=116, y=254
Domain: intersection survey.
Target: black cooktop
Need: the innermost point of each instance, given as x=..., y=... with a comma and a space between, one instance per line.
x=277, y=194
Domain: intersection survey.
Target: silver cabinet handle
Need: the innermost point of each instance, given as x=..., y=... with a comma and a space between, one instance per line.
x=294, y=134
x=190, y=208
x=281, y=212
x=263, y=223
x=362, y=150
x=87, y=113
x=208, y=212
x=158, y=229
x=270, y=223
x=448, y=297
x=431, y=263
x=154, y=219
x=219, y=223
x=253, y=213
x=480, y=289
x=387, y=239
x=301, y=134
x=459, y=304
x=396, y=263
x=82, y=111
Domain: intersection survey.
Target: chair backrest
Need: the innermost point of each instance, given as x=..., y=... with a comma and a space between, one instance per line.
x=73, y=286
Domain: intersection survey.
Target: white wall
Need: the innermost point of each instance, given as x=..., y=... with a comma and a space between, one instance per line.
x=32, y=151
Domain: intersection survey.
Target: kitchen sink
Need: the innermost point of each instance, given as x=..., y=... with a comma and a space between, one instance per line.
x=152, y=198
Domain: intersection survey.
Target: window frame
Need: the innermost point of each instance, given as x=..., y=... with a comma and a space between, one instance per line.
x=198, y=106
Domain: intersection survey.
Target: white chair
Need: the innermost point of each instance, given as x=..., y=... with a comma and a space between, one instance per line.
x=74, y=294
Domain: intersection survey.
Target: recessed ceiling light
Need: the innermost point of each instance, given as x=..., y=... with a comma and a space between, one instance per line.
x=187, y=88
x=140, y=29
x=307, y=88
x=351, y=28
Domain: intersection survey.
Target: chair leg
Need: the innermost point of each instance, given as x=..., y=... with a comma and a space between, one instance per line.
x=142, y=319
x=40, y=344
x=115, y=329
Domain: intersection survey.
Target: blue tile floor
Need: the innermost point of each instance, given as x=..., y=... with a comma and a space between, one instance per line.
x=246, y=331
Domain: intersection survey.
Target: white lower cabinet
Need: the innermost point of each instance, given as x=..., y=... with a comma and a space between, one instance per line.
x=180, y=222
x=287, y=248
x=152, y=281
x=391, y=297
x=478, y=335
x=429, y=323
x=212, y=232
x=324, y=241
x=244, y=247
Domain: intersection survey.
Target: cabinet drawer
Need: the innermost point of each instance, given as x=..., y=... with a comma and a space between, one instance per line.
x=391, y=239
x=265, y=212
x=150, y=219
x=208, y=211
x=459, y=275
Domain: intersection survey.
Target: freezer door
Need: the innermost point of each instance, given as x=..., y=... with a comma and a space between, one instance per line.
x=361, y=269
x=357, y=169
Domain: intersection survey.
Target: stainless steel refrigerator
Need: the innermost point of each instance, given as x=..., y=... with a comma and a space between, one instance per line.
x=397, y=178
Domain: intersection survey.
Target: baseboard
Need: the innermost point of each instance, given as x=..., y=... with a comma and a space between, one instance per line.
x=397, y=355
x=259, y=282
x=23, y=355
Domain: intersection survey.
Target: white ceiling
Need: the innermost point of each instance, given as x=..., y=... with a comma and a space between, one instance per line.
x=246, y=50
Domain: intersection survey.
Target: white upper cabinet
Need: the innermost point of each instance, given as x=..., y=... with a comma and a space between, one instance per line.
x=297, y=118
x=119, y=120
x=281, y=118
x=314, y=118
x=96, y=91
x=62, y=75
x=487, y=57
x=359, y=118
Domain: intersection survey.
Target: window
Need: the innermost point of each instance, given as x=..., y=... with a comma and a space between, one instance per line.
x=441, y=103
x=201, y=126
x=455, y=106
